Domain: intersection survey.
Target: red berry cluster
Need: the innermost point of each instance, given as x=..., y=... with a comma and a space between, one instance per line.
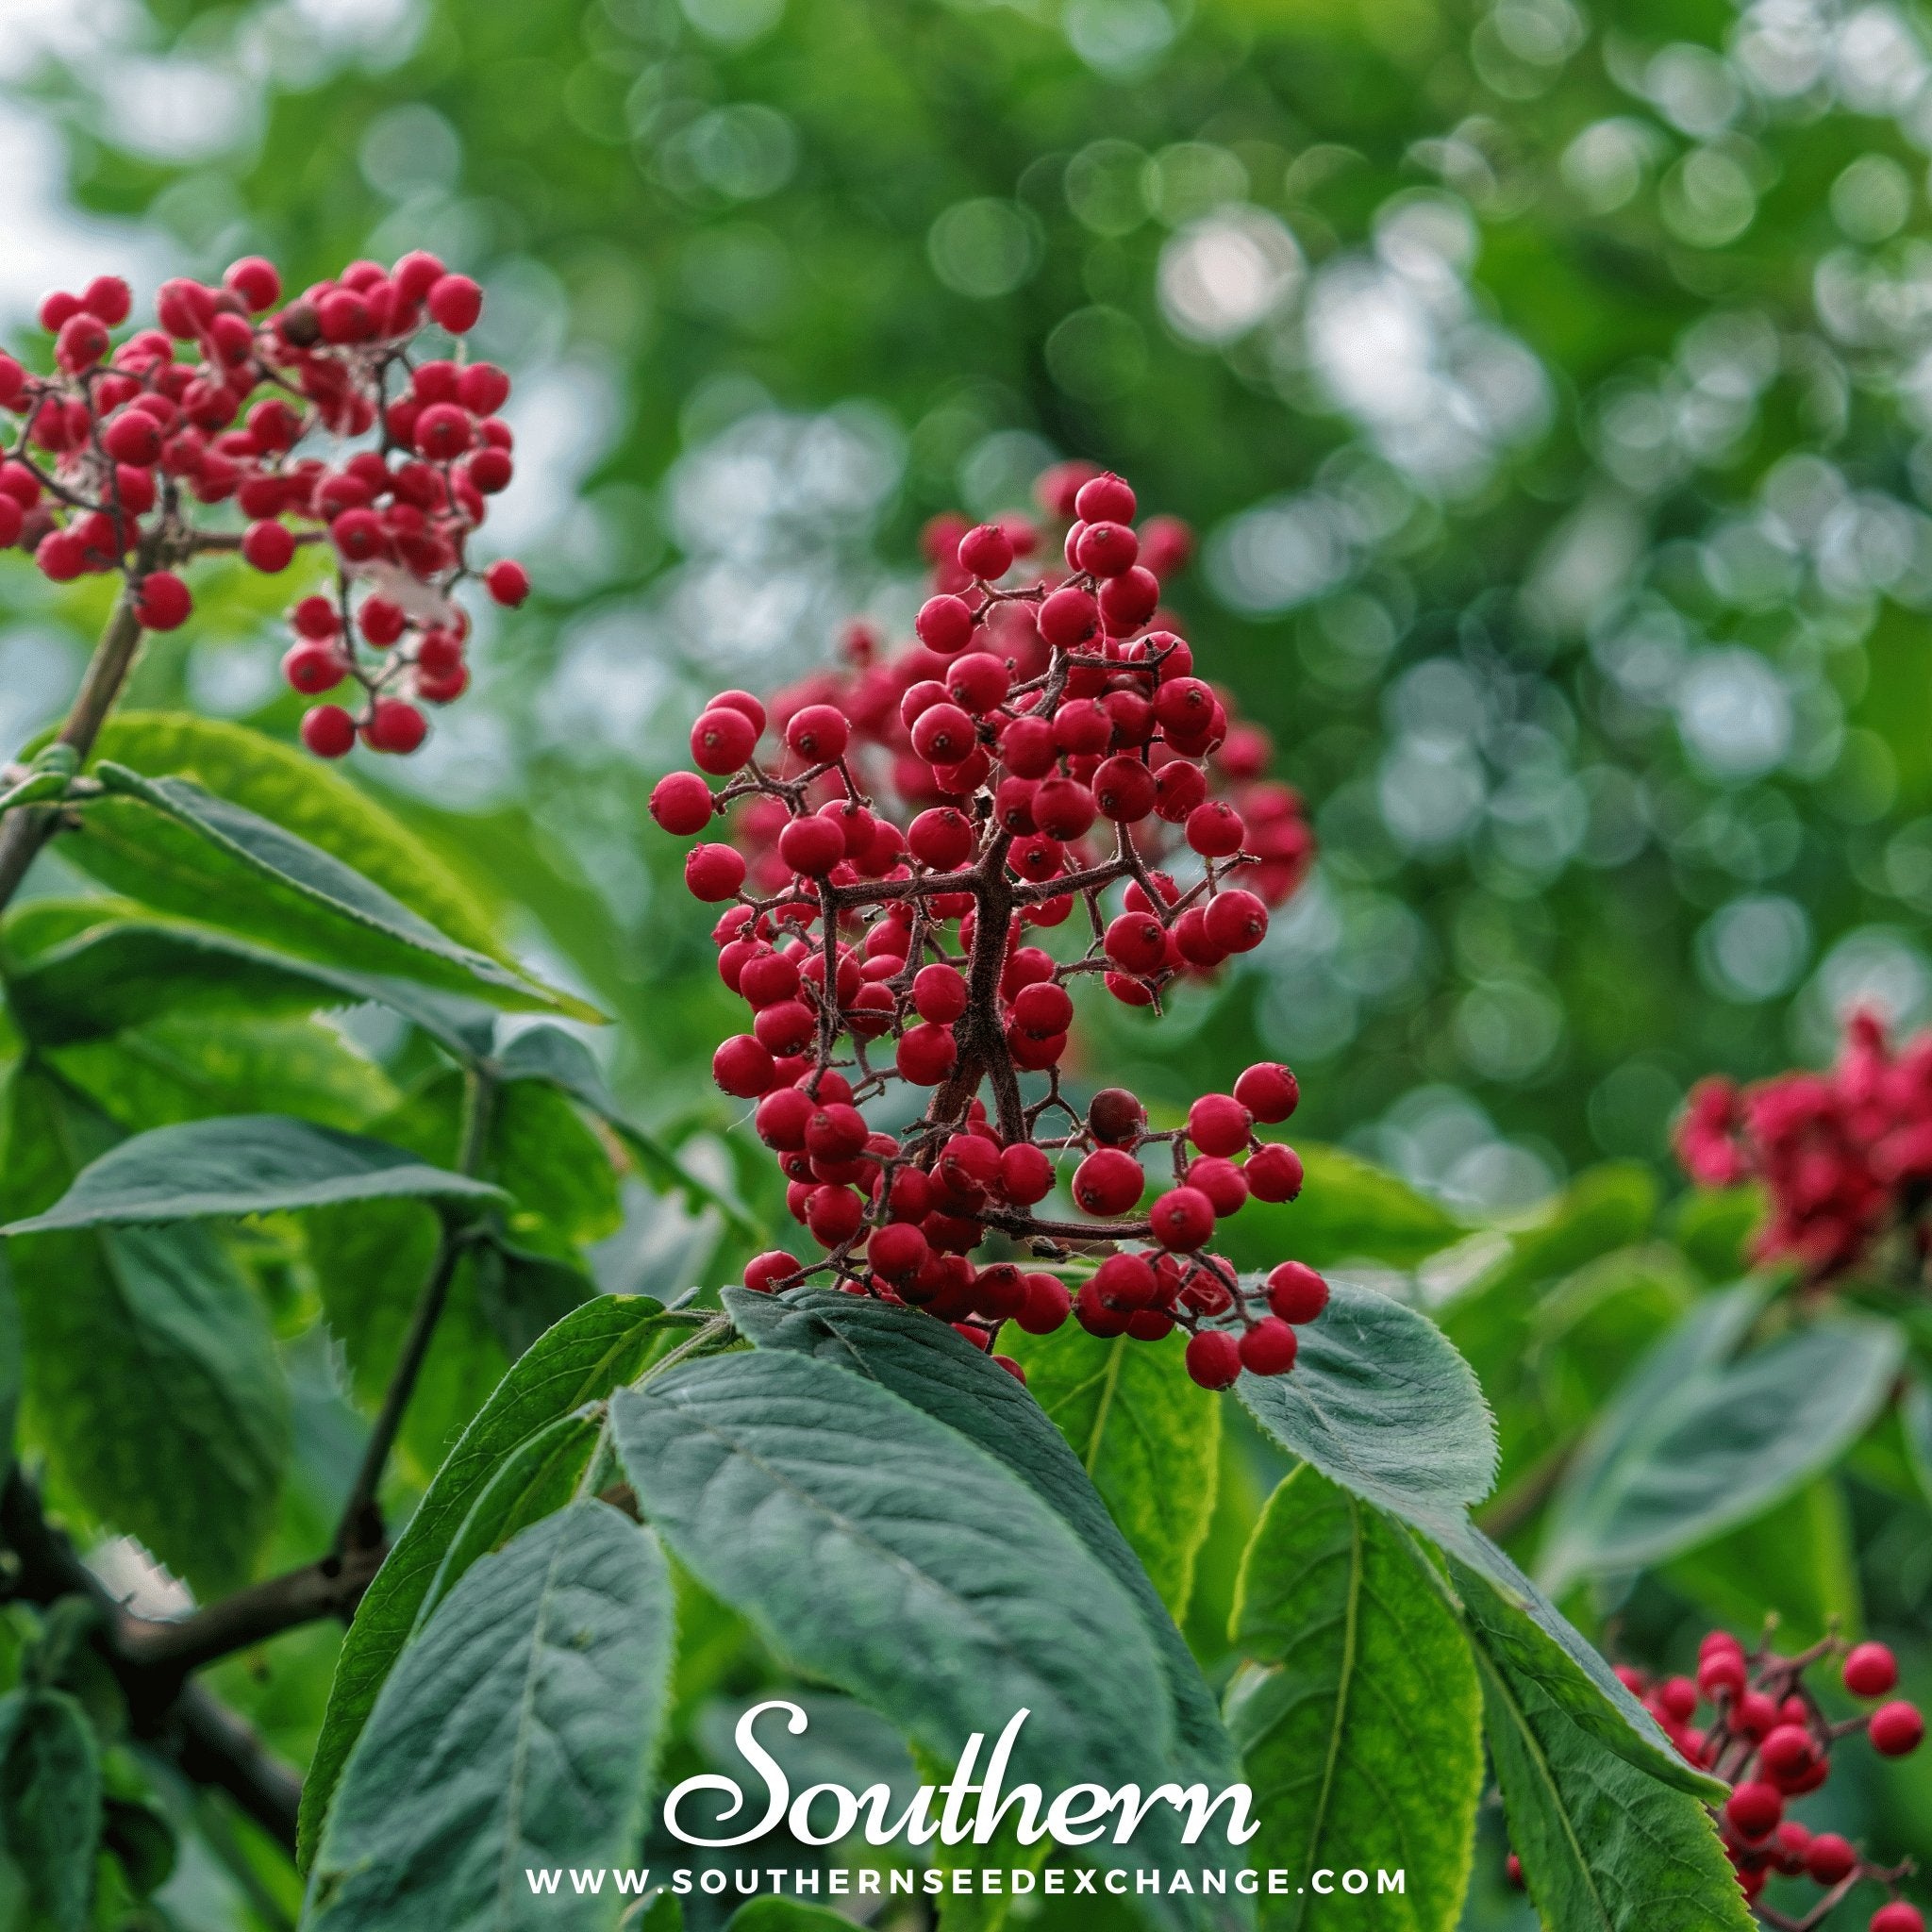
x=906, y=870
x=1766, y=1736
x=119, y=444
x=1845, y=1156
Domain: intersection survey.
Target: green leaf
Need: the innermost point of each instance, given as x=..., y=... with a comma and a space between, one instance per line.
x=536, y=1479
x=922, y=1361
x=191, y=1067
x=302, y=796
x=1510, y=1618
x=1358, y=1714
x=169, y=844
x=242, y=1164
x=1381, y=1403
x=898, y=1562
x=1604, y=1848
x=153, y=1383
x=1915, y=1420
x=50, y=1804
x=549, y=1053
x=1146, y=1432
x=1696, y=1443
x=1608, y=1207
x=1549, y=1356
x=118, y=965
x=1348, y=1210
x=155, y=1387
x=12, y=1368
x=1798, y=1561
x=516, y=1733
x=774, y=1914
x=591, y=1352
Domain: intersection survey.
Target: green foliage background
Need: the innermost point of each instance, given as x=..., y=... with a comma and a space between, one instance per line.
x=1546, y=385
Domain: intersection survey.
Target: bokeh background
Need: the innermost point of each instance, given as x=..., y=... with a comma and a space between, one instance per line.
x=1549, y=390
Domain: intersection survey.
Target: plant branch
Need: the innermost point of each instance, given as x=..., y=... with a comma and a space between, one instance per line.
x=210, y=1743
x=25, y=831
x=360, y=1526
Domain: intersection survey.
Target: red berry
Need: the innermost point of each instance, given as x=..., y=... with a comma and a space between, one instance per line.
x=764, y=1272
x=926, y=1054
x=811, y=846
x=82, y=341
x=1105, y=498
x=162, y=601
x=1108, y=1182
x=1126, y=1281
x=316, y=617
x=1830, y=1859
x=978, y=682
x=1047, y=1304
x=681, y=804
x=712, y=872
x=1137, y=943
x=1753, y=1810
x=1898, y=1916
x=312, y=666
x=1870, y=1670
x=897, y=1251
x=939, y=992
x=986, y=552
x=1722, y=1672
x=1267, y=1090
x=1128, y=600
x=454, y=303
x=268, y=545
x=395, y=725
x=1124, y=789
x=1896, y=1729
x=1269, y=1347
x=1273, y=1173
x=943, y=839
x=108, y=299
x=1068, y=618
x=722, y=740
x=1218, y=1123
x=1042, y=1009
x=1296, y=1292
x=1115, y=1116
x=1215, y=829
x=1220, y=1181
x=1104, y=549
x=381, y=622
x=256, y=281
x=1214, y=1358
x=1787, y=1754
x=818, y=734
x=328, y=731
x=944, y=625
x=1183, y=1218
x=1027, y=1175
x=1236, y=921
x=742, y=1066
x=507, y=582
x=132, y=436
x=943, y=734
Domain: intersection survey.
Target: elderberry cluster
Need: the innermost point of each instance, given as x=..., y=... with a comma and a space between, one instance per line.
x=120, y=444
x=1750, y=1719
x=1845, y=1156
x=928, y=852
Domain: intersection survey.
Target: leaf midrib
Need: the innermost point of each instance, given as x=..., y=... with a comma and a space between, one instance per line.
x=1540, y=1759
